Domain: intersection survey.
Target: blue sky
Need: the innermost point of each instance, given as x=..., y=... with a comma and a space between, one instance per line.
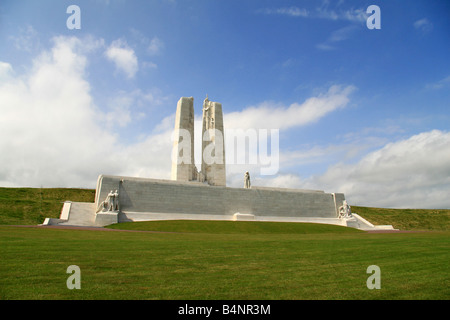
x=360, y=111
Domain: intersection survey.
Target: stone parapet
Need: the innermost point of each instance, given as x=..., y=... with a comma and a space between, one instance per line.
x=175, y=197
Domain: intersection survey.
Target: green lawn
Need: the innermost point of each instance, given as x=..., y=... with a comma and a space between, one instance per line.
x=232, y=227
x=199, y=265
x=407, y=219
x=218, y=259
x=33, y=205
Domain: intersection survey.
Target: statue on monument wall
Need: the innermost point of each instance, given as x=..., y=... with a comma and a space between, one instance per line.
x=111, y=203
x=247, y=184
x=345, y=210
x=116, y=200
x=200, y=176
x=206, y=112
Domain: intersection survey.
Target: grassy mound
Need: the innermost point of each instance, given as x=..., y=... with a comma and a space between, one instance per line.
x=25, y=206
x=232, y=227
x=407, y=219
x=189, y=266
x=217, y=260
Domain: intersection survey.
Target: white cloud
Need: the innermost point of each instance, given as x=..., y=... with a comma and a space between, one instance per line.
x=155, y=46
x=45, y=116
x=306, y=158
x=287, y=180
x=26, y=40
x=289, y=11
x=149, y=65
x=325, y=46
x=321, y=12
x=123, y=57
x=55, y=135
x=423, y=25
x=119, y=113
x=337, y=36
x=317, y=154
x=443, y=83
x=410, y=173
x=414, y=173
x=6, y=70
x=244, y=137
x=352, y=15
x=124, y=107
x=270, y=115
x=342, y=33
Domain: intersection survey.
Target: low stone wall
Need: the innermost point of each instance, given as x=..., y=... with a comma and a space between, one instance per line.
x=166, y=196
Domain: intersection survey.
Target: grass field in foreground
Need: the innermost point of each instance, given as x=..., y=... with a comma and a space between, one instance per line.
x=218, y=260
x=321, y=264
x=232, y=227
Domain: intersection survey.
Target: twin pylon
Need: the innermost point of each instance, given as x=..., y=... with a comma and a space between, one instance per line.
x=212, y=170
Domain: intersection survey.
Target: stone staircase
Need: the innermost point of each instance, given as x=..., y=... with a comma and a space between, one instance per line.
x=83, y=214
x=74, y=214
x=358, y=222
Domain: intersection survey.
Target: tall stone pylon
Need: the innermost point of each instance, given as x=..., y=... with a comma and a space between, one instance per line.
x=183, y=165
x=213, y=144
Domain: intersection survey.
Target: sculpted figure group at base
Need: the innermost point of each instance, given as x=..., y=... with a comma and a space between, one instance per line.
x=345, y=210
x=111, y=202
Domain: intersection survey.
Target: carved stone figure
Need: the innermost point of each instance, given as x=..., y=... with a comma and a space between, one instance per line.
x=111, y=202
x=247, y=184
x=116, y=200
x=345, y=210
x=213, y=147
x=207, y=113
x=200, y=177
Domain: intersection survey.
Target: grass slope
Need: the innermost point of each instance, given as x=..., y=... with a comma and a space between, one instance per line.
x=407, y=219
x=146, y=265
x=232, y=227
x=22, y=206
x=216, y=259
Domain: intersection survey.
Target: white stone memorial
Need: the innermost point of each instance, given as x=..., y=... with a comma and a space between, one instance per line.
x=203, y=194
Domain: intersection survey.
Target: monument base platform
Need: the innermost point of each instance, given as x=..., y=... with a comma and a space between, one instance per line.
x=140, y=195
x=79, y=216
x=148, y=216
x=143, y=199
